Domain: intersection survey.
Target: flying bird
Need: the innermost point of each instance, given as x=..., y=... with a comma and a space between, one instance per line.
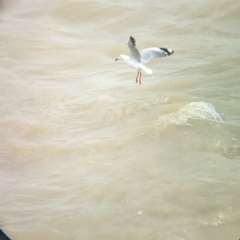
x=137, y=60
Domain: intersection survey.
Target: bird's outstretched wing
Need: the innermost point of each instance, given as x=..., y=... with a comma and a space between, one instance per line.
x=148, y=53
x=134, y=53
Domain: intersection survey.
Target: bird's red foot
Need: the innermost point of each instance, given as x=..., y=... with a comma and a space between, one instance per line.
x=137, y=77
x=140, y=78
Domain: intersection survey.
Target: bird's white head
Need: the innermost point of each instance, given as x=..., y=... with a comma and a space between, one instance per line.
x=121, y=57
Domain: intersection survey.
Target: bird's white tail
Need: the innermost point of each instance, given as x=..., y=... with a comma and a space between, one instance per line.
x=146, y=70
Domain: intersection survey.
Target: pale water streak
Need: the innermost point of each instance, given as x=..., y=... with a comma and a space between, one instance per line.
x=88, y=154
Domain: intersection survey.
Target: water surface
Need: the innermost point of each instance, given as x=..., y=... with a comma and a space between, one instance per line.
x=88, y=154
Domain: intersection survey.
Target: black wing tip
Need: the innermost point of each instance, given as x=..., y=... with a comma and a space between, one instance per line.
x=168, y=51
x=133, y=40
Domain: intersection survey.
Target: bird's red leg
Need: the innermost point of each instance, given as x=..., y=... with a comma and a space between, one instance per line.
x=140, y=78
x=137, y=77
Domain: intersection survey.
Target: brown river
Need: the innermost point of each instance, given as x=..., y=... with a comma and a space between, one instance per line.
x=88, y=154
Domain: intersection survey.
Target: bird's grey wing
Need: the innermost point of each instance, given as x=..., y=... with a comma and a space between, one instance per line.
x=148, y=53
x=134, y=53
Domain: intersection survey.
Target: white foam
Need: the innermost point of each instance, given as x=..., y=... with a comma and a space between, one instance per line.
x=193, y=110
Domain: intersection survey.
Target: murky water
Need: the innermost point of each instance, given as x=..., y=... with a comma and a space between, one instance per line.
x=88, y=154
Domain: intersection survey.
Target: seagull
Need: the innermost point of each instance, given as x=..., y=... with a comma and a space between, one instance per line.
x=137, y=60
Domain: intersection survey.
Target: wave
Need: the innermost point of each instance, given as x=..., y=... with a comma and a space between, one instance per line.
x=194, y=111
